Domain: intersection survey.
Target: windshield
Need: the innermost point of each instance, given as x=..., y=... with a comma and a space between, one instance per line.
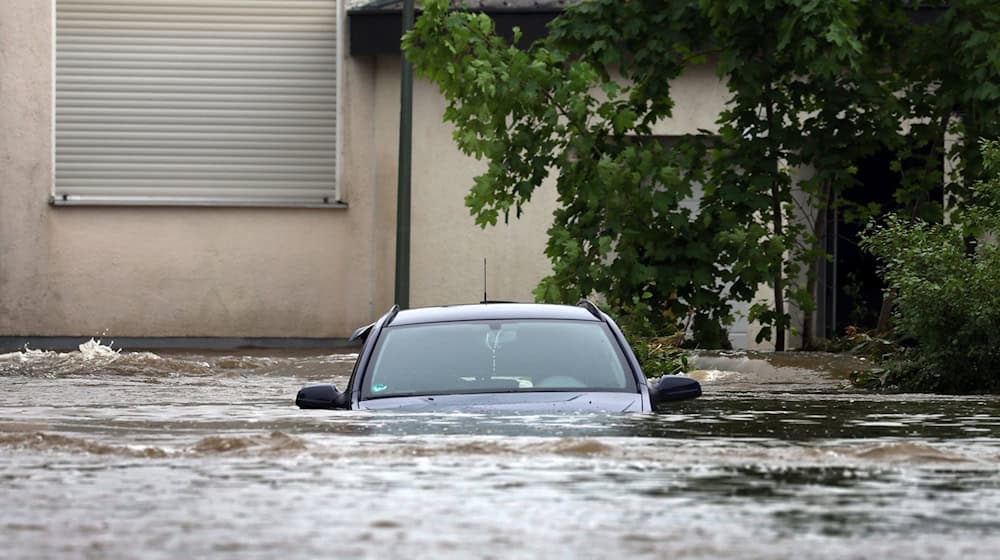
x=496, y=356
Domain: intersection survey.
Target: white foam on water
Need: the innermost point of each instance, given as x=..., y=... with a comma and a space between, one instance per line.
x=95, y=349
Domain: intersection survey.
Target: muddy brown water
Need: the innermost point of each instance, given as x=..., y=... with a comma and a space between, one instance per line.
x=107, y=454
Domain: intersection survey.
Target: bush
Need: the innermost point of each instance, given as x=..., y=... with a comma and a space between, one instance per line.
x=654, y=337
x=947, y=292
x=659, y=357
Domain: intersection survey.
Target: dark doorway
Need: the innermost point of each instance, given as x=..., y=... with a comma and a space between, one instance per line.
x=853, y=290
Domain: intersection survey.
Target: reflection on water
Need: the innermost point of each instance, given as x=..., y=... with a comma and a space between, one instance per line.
x=110, y=454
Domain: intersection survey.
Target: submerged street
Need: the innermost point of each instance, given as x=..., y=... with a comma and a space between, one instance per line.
x=107, y=454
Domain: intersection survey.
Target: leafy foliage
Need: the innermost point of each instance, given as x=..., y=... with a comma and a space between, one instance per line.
x=948, y=291
x=620, y=229
x=654, y=339
x=658, y=357
x=814, y=85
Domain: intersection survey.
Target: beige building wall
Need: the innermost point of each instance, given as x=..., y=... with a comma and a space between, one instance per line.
x=163, y=272
x=447, y=247
x=699, y=96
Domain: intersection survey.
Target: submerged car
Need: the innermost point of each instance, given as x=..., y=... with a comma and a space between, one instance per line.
x=497, y=357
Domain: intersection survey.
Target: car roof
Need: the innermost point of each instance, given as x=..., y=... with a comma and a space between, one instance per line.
x=488, y=311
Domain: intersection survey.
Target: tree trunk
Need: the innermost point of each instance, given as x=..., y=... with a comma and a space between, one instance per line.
x=779, y=295
x=885, y=313
x=778, y=266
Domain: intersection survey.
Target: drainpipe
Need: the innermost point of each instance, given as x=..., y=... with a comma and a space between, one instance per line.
x=405, y=150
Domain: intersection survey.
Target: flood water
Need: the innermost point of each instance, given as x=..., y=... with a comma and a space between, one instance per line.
x=107, y=454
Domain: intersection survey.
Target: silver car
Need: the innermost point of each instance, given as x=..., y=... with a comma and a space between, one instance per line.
x=503, y=357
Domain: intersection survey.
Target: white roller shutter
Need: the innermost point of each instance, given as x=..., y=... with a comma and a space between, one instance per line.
x=196, y=102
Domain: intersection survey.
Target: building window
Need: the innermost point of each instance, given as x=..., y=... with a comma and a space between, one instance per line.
x=181, y=102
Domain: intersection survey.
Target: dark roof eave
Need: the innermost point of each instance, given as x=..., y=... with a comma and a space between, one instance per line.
x=489, y=10
x=377, y=32
x=396, y=6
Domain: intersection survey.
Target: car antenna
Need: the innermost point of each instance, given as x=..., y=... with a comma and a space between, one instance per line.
x=485, y=299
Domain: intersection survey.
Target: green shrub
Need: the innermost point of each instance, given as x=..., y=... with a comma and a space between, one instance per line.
x=659, y=357
x=655, y=337
x=947, y=291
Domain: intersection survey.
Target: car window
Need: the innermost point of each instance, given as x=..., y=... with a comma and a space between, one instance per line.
x=497, y=356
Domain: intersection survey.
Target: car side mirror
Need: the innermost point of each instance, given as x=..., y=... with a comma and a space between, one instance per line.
x=675, y=388
x=320, y=396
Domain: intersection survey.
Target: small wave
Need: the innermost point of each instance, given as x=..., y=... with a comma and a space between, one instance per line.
x=96, y=357
x=241, y=362
x=711, y=375
x=907, y=451
x=41, y=441
x=577, y=447
x=274, y=443
x=97, y=350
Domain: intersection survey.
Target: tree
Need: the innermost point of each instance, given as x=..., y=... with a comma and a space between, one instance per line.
x=621, y=229
x=814, y=84
x=807, y=91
